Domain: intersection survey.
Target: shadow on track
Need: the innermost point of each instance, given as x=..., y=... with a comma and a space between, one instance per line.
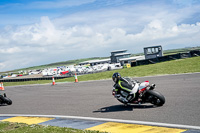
x=117, y=108
x=3, y=105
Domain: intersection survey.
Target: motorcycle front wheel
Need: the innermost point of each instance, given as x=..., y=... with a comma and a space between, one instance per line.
x=155, y=97
x=7, y=101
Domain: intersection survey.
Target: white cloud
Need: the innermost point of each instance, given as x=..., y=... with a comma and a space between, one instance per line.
x=10, y=50
x=90, y=34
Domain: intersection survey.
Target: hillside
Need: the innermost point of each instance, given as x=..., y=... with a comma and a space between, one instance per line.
x=77, y=61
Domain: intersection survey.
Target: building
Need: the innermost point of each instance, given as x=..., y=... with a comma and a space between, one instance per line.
x=153, y=52
x=95, y=62
x=131, y=60
x=118, y=56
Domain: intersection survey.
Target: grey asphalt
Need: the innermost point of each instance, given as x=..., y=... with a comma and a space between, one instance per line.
x=94, y=99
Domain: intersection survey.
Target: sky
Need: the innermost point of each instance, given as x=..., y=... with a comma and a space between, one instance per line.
x=35, y=32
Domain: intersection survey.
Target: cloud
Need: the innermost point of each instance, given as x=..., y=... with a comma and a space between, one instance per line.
x=96, y=33
x=10, y=50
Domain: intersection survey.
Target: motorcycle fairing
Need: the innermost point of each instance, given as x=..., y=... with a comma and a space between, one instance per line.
x=135, y=89
x=144, y=85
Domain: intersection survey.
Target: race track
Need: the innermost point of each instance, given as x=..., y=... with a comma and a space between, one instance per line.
x=94, y=99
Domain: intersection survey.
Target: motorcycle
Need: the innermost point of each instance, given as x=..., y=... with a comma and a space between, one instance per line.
x=4, y=99
x=144, y=93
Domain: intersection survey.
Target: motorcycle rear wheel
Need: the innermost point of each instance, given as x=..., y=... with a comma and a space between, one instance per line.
x=156, y=97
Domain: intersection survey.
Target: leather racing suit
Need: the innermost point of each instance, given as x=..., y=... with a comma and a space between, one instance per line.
x=123, y=89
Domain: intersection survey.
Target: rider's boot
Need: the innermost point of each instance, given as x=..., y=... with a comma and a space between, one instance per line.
x=126, y=104
x=130, y=97
x=122, y=98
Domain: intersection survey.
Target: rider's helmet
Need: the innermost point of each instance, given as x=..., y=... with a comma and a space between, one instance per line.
x=116, y=77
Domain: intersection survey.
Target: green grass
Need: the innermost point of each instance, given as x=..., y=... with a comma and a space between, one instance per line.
x=6, y=127
x=188, y=65
x=27, y=82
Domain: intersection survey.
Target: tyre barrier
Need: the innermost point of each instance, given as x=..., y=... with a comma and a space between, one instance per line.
x=192, y=53
x=45, y=78
x=34, y=79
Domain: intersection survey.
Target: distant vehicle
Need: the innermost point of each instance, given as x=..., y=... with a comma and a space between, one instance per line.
x=104, y=67
x=31, y=73
x=47, y=72
x=71, y=68
x=98, y=67
x=89, y=69
x=64, y=72
x=79, y=69
x=5, y=77
x=114, y=66
x=13, y=75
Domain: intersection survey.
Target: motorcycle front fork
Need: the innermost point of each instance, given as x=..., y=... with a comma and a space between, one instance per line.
x=4, y=94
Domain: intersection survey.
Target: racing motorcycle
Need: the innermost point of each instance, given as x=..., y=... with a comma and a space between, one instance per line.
x=144, y=93
x=4, y=99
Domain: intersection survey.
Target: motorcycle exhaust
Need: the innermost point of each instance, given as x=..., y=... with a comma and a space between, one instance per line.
x=153, y=86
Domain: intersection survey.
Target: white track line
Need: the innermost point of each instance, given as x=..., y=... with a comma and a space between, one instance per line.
x=112, y=120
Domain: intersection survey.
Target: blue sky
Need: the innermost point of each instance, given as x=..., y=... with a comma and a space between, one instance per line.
x=40, y=32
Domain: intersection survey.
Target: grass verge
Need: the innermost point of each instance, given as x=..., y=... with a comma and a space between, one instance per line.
x=7, y=127
x=188, y=65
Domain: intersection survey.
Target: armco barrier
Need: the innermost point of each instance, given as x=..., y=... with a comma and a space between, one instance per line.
x=195, y=53
x=185, y=55
x=174, y=56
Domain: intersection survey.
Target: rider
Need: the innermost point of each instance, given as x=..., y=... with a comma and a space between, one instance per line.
x=125, y=85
